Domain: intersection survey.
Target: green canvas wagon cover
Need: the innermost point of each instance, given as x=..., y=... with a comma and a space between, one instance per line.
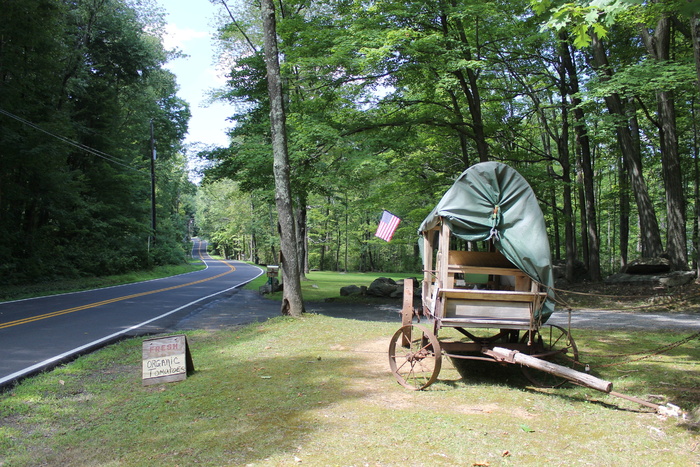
x=491, y=200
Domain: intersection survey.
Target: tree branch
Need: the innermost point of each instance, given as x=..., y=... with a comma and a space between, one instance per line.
x=235, y=23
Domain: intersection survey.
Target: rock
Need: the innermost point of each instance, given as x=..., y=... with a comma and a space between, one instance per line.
x=647, y=266
x=655, y=272
x=671, y=279
x=383, y=287
x=350, y=290
x=401, y=282
x=676, y=278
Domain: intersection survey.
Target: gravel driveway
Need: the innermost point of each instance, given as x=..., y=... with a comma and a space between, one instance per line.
x=597, y=319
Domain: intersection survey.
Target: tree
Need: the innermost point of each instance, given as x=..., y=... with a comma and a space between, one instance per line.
x=658, y=46
x=587, y=32
x=79, y=84
x=292, y=302
x=418, y=92
x=571, y=90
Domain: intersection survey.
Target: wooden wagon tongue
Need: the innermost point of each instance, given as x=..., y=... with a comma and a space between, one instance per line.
x=501, y=354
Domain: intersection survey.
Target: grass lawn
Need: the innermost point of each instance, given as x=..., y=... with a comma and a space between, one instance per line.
x=323, y=285
x=318, y=391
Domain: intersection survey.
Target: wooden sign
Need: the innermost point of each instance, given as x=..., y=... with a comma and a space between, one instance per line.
x=166, y=359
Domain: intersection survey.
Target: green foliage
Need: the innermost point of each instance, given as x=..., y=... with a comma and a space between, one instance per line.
x=646, y=78
x=75, y=188
x=388, y=102
x=239, y=225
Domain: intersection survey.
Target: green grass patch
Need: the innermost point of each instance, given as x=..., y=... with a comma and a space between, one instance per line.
x=18, y=292
x=325, y=285
x=317, y=391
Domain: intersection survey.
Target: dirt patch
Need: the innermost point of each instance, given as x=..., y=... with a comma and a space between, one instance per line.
x=375, y=380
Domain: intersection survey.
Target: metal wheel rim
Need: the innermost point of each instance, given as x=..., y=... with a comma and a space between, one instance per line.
x=418, y=366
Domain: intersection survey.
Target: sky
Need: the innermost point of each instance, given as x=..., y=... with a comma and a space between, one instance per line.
x=191, y=25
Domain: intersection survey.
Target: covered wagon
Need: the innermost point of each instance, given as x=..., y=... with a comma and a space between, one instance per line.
x=487, y=289
x=487, y=274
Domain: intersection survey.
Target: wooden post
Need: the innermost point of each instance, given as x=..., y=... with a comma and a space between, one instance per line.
x=584, y=379
x=428, y=272
x=407, y=310
x=443, y=255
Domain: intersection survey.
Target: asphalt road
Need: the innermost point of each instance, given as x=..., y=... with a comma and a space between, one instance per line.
x=40, y=333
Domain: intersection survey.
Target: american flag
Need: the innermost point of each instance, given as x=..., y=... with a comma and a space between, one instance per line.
x=387, y=226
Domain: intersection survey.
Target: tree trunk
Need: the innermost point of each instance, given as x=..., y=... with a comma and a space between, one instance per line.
x=585, y=250
x=586, y=162
x=555, y=216
x=658, y=46
x=569, y=237
x=673, y=183
x=650, y=235
x=468, y=81
x=461, y=125
x=292, y=302
x=301, y=237
x=561, y=138
x=624, y=200
x=696, y=195
x=695, y=36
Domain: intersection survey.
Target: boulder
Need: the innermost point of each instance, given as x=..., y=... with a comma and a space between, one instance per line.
x=272, y=285
x=647, y=266
x=350, y=290
x=671, y=279
x=417, y=288
x=383, y=287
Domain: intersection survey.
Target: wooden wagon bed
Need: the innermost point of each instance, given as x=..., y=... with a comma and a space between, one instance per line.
x=476, y=289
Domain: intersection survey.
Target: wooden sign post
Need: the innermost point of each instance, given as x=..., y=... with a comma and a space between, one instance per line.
x=166, y=359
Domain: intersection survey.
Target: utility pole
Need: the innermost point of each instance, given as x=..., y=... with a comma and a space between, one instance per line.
x=153, y=183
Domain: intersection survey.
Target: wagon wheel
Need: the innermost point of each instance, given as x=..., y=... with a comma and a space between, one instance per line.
x=416, y=365
x=554, y=344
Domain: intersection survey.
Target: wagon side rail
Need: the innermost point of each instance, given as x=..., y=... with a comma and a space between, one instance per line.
x=479, y=289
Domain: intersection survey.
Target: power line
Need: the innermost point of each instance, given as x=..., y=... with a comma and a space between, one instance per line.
x=80, y=146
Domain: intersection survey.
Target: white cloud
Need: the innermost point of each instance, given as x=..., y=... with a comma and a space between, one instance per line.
x=176, y=37
x=216, y=76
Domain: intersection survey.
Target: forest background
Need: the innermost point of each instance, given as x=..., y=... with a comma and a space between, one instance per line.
x=594, y=103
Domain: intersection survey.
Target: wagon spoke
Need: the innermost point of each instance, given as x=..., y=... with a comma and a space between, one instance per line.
x=417, y=366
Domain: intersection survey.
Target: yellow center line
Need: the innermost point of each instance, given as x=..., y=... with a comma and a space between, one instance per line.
x=112, y=300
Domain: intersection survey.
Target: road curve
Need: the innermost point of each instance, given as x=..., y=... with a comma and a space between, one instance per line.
x=40, y=333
